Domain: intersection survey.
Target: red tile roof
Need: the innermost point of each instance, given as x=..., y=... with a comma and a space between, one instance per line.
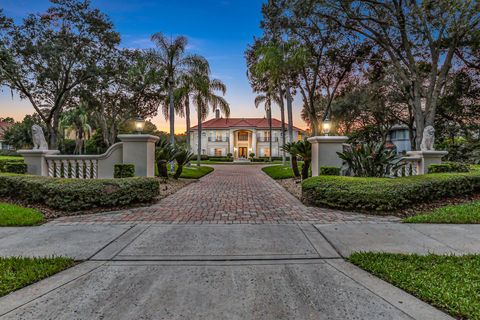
x=227, y=123
x=4, y=126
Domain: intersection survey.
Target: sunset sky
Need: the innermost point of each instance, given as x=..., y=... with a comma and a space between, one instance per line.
x=217, y=29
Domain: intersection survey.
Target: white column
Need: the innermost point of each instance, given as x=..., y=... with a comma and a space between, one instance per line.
x=231, y=141
x=254, y=143
x=139, y=150
x=36, y=161
x=324, y=152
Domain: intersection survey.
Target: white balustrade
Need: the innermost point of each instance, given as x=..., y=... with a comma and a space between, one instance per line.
x=409, y=166
x=67, y=166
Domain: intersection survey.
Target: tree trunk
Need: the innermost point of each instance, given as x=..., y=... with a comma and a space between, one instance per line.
x=290, y=115
x=296, y=173
x=52, y=138
x=290, y=121
x=162, y=168
x=199, y=146
x=305, y=167
x=178, y=173
x=269, y=115
x=171, y=111
x=187, y=117
x=282, y=111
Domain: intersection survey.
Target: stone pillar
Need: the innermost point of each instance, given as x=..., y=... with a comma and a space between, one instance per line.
x=428, y=157
x=139, y=150
x=36, y=162
x=324, y=151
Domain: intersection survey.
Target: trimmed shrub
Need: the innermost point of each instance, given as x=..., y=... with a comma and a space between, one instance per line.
x=8, y=159
x=16, y=167
x=202, y=157
x=76, y=194
x=221, y=159
x=384, y=194
x=259, y=160
x=124, y=171
x=329, y=171
x=448, y=167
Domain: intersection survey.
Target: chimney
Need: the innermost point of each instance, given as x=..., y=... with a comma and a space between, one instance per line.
x=217, y=114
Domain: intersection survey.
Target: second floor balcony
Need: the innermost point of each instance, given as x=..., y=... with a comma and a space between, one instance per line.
x=267, y=139
x=217, y=139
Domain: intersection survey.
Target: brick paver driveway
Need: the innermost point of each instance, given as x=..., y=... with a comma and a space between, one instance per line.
x=232, y=194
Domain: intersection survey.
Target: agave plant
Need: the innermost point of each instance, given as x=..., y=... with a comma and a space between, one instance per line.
x=290, y=148
x=304, y=150
x=370, y=159
x=164, y=154
x=182, y=157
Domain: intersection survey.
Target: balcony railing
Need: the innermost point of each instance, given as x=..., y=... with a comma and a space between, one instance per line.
x=267, y=139
x=211, y=139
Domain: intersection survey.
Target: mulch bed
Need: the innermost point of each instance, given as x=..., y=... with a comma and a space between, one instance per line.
x=167, y=187
x=294, y=186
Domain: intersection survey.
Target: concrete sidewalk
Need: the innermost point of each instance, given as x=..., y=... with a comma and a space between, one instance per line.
x=402, y=238
x=200, y=272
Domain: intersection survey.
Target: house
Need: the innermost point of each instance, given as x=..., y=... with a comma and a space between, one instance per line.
x=4, y=126
x=400, y=137
x=240, y=137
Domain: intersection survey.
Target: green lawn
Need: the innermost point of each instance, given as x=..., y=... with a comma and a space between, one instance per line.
x=278, y=172
x=8, y=158
x=13, y=215
x=462, y=213
x=16, y=273
x=451, y=283
x=194, y=172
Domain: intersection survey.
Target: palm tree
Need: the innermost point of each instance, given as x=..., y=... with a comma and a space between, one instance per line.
x=267, y=100
x=290, y=147
x=304, y=150
x=183, y=93
x=204, y=97
x=77, y=120
x=171, y=57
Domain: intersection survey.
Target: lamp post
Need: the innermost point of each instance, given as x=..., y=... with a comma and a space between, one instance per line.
x=326, y=126
x=139, y=124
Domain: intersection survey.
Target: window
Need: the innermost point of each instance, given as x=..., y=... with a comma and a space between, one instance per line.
x=218, y=136
x=243, y=136
x=218, y=152
x=300, y=137
x=266, y=152
x=266, y=135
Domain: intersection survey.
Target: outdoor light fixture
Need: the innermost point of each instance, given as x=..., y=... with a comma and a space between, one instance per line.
x=139, y=124
x=326, y=126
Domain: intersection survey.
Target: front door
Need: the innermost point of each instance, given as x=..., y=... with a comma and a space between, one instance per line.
x=242, y=152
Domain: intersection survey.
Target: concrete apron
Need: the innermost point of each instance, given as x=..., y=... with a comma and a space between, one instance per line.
x=211, y=272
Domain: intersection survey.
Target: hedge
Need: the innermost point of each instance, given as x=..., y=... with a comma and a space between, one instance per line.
x=7, y=159
x=124, y=171
x=77, y=194
x=329, y=171
x=384, y=194
x=448, y=167
x=221, y=159
x=16, y=167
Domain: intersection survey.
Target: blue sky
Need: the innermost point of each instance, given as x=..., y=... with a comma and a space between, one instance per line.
x=217, y=29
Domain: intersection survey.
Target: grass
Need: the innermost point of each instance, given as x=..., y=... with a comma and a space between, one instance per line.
x=7, y=158
x=278, y=172
x=16, y=273
x=451, y=283
x=13, y=215
x=194, y=172
x=468, y=213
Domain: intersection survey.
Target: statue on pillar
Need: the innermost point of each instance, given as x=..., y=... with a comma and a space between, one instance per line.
x=428, y=139
x=39, y=142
